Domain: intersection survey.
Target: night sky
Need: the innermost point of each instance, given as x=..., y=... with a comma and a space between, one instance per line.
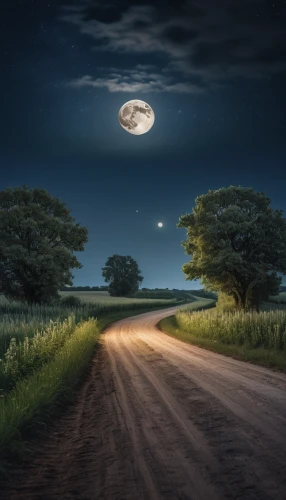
x=214, y=72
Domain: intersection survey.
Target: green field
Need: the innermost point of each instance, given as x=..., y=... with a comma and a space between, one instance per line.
x=102, y=298
x=199, y=304
x=279, y=299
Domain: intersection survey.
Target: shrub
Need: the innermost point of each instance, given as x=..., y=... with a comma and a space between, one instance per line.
x=71, y=301
x=225, y=303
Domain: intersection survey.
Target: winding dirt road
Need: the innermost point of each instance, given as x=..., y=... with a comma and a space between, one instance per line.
x=160, y=419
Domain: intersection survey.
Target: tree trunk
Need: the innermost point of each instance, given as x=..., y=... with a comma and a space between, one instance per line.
x=241, y=300
x=237, y=299
x=252, y=298
x=30, y=296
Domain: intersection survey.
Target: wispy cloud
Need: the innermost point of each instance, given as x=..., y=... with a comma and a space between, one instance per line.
x=135, y=80
x=205, y=42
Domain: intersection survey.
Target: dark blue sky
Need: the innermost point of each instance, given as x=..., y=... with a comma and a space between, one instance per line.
x=215, y=78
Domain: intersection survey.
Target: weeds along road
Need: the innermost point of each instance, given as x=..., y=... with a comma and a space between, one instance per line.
x=160, y=419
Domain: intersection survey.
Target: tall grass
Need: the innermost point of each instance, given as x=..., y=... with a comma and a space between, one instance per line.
x=22, y=358
x=265, y=329
x=28, y=404
x=20, y=320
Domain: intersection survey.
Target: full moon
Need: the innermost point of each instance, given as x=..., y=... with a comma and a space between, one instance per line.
x=136, y=117
x=160, y=224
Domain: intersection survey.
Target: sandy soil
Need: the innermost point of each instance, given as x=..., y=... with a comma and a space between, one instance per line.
x=160, y=419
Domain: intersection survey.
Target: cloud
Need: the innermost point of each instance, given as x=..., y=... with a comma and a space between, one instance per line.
x=135, y=80
x=203, y=43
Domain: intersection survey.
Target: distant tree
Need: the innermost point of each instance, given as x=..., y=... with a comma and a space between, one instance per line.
x=123, y=275
x=237, y=243
x=37, y=239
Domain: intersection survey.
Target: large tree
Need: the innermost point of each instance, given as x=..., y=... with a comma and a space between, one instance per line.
x=238, y=244
x=37, y=239
x=123, y=275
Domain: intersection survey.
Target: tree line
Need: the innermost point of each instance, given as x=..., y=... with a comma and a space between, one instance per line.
x=236, y=241
x=102, y=288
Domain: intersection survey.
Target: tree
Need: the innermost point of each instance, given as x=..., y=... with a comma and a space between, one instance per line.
x=37, y=240
x=123, y=274
x=237, y=243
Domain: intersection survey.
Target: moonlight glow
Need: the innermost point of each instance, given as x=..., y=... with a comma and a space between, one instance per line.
x=160, y=224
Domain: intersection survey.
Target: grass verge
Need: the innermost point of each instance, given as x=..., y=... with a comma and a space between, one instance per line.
x=29, y=405
x=260, y=356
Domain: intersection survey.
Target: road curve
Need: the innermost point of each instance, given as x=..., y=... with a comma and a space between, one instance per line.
x=161, y=419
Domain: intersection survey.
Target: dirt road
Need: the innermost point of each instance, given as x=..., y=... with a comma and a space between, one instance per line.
x=160, y=419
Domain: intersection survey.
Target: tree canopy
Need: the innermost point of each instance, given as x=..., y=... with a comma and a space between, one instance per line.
x=123, y=275
x=238, y=244
x=37, y=239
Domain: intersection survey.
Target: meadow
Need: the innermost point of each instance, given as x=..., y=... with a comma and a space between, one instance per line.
x=101, y=298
